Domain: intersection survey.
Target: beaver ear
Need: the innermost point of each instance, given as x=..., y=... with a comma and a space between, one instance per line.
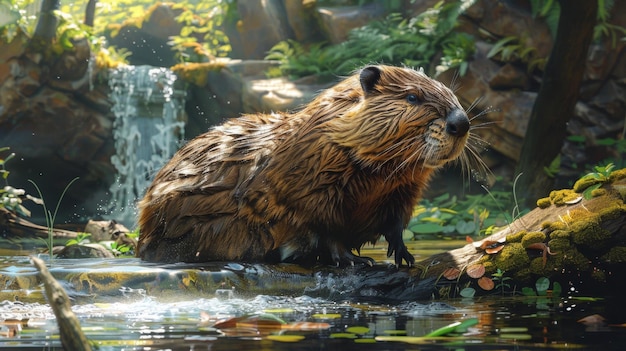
x=369, y=78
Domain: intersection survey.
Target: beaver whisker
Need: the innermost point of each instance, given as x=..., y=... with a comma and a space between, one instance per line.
x=488, y=110
x=473, y=105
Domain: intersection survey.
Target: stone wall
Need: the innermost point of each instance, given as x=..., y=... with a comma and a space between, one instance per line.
x=56, y=118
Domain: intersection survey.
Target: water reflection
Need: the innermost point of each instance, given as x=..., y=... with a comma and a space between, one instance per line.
x=141, y=322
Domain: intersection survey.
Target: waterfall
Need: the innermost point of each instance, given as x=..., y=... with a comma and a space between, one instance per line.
x=148, y=128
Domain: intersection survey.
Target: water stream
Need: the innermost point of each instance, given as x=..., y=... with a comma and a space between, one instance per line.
x=148, y=129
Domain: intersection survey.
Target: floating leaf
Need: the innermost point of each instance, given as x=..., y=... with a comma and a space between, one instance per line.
x=365, y=341
x=305, y=326
x=426, y=228
x=358, y=330
x=444, y=330
x=326, y=315
x=286, y=338
x=465, y=324
x=526, y=291
x=343, y=336
x=513, y=330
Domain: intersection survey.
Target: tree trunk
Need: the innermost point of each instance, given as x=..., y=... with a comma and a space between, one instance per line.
x=90, y=12
x=47, y=24
x=557, y=96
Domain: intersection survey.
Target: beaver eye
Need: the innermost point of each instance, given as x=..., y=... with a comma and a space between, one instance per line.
x=412, y=99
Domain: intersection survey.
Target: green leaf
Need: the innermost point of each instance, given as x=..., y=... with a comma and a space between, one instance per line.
x=556, y=289
x=526, y=291
x=542, y=285
x=426, y=228
x=467, y=292
x=466, y=227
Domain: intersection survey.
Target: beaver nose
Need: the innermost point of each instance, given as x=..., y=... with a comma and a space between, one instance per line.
x=457, y=123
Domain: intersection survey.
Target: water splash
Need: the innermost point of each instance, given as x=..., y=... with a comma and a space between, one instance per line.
x=149, y=125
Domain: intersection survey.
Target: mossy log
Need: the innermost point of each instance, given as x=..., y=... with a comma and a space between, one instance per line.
x=577, y=241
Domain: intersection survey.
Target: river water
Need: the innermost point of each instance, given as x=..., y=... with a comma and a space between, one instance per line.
x=116, y=313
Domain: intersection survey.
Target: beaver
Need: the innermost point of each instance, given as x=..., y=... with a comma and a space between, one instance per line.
x=309, y=186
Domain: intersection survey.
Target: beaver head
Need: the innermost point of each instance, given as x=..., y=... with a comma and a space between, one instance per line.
x=404, y=119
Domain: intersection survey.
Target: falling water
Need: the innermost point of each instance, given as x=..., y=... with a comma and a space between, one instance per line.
x=149, y=125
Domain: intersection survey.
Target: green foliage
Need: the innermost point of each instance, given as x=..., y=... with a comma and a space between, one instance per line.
x=542, y=287
x=394, y=40
x=201, y=31
x=550, y=11
x=501, y=281
x=511, y=49
x=471, y=215
x=599, y=176
x=11, y=198
x=81, y=238
x=200, y=21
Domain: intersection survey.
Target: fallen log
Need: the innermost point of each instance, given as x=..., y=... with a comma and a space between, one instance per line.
x=15, y=227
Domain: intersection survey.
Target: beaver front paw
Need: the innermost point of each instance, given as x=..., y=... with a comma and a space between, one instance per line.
x=396, y=245
x=341, y=257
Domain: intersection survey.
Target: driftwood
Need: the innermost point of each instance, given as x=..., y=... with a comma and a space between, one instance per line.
x=72, y=336
x=15, y=227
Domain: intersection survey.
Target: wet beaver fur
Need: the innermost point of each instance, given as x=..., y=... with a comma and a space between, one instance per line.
x=310, y=186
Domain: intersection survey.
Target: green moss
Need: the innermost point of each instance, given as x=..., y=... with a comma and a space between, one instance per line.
x=616, y=254
x=523, y=275
x=598, y=192
x=562, y=197
x=544, y=202
x=552, y=226
x=570, y=258
x=532, y=238
x=513, y=257
x=589, y=233
x=537, y=266
x=560, y=234
x=559, y=244
x=598, y=275
x=617, y=175
x=583, y=183
x=517, y=237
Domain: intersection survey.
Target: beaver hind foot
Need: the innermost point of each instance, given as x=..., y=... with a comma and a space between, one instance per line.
x=310, y=186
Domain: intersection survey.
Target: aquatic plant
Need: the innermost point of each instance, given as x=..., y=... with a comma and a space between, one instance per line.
x=51, y=217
